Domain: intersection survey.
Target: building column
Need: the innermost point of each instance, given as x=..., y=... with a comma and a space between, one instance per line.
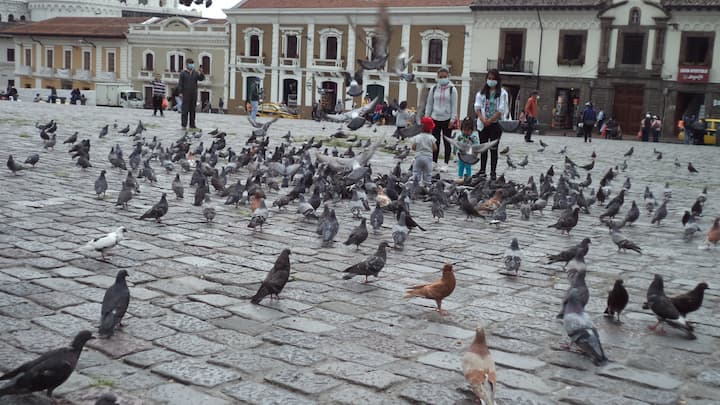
x=231, y=70
x=308, y=68
x=659, y=50
x=275, y=63
x=405, y=43
x=467, y=65
x=98, y=59
x=605, y=27
x=350, y=62
x=125, y=63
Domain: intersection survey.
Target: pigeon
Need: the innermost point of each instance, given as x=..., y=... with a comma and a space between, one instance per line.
x=688, y=302
x=667, y=191
x=13, y=166
x=114, y=304
x=478, y=367
x=468, y=208
x=659, y=156
x=622, y=242
x=103, y=131
x=629, y=152
x=617, y=300
x=437, y=209
x=400, y=232
x=664, y=310
x=568, y=254
x=469, y=153
x=380, y=41
x=329, y=228
x=576, y=264
x=101, y=185
x=354, y=83
x=107, y=399
x=697, y=208
x=632, y=215
x=71, y=139
x=158, y=210
x=47, y=372
x=437, y=290
x=32, y=159
x=578, y=287
x=660, y=214
x=306, y=209
x=691, y=168
x=499, y=215
x=209, y=214
x=377, y=217
x=567, y=221
x=690, y=226
x=104, y=243
x=260, y=212
x=513, y=257
x=580, y=329
x=358, y=235
x=370, y=266
x=125, y=130
x=275, y=280
x=505, y=150
x=177, y=187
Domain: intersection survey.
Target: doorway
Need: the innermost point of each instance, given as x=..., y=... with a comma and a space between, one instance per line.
x=514, y=107
x=628, y=104
x=148, y=93
x=567, y=108
x=204, y=100
x=329, y=97
x=375, y=90
x=290, y=92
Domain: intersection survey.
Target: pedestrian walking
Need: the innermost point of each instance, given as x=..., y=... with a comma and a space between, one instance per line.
x=589, y=119
x=158, y=94
x=491, y=103
x=188, y=89
x=531, y=114
x=646, y=127
x=441, y=106
x=221, y=106
x=465, y=136
x=656, y=128
x=425, y=147
x=254, y=96
x=600, y=120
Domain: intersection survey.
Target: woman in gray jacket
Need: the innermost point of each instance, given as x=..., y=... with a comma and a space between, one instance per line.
x=442, y=108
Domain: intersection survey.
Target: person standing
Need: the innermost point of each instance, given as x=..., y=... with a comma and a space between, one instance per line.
x=158, y=92
x=490, y=105
x=442, y=107
x=221, y=106
x=465, y=136
x=401, y=118
x=254, y=97
x=531, y=113
x=656, y=128
x=188, y=88
x=600, y=120
x=425, y=148
x=589, y=119
x=646, y=127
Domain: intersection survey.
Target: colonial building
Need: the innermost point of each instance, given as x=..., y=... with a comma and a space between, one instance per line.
x=300, y=47
x=71, y=52
x=38, y=10
x=7, y=55
x=628, y=57
x=160, y=47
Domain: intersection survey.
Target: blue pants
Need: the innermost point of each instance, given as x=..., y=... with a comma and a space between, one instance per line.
x=464, y=169
x=253, y=110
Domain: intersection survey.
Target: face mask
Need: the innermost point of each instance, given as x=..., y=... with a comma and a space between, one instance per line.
x=444, y=81
x=191, y=65
x=491, y=83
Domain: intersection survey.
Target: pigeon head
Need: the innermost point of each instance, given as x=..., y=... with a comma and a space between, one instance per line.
x=81, y=338
x=121, y=275
x=702, y=287
x=286, y=252
x=448, y=268
x=514, y=244
x=383, y=245
x=618, y=282
x=121, y=230
x=585, y=242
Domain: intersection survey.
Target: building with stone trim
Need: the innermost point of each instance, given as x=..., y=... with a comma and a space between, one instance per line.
x=38, y=10
x=160, y=46
x=298, y=47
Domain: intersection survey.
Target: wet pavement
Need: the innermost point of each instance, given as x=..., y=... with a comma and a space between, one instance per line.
x=191, y=335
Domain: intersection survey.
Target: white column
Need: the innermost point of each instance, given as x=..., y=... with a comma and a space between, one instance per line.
x=308, y=67
x=232, y=62
x=19, y=56
x=125, y=63
x=275, y=63
x=350, y=62
x=467, y=62
x=99, y=56
x=227, y=76
x=405, y=43
x=464, y=98
x=38, y=58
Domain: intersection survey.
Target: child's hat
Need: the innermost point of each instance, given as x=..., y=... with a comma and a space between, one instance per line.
x=428, y=124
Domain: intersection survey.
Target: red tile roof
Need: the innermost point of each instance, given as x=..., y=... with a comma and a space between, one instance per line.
x=102, y=27
x=329, y=4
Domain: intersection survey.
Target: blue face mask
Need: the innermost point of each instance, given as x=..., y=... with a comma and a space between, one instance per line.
x=191, y=65
x=491, y=83
x=443, y=81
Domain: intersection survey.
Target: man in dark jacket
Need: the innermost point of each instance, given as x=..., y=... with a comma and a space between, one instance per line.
x=188, y=89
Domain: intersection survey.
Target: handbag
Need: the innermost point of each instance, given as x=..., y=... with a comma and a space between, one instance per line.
x=164, y=103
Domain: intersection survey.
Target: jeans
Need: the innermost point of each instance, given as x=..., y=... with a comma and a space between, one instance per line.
x=157, y=104
x=490, y=133
x=422, y=168
x=688, y=134
x=656, y=135
x=464, y=169
x=646, y=134
x=442, y=128
x=587, y=131
x=530, y=127
x=189, y=103
x=178, y=103
x=253, y=110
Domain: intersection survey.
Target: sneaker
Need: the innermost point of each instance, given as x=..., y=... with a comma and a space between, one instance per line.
x=529, y=141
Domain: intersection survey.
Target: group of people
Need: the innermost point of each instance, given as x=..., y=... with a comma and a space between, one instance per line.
x=694, y=129
x=650, y=125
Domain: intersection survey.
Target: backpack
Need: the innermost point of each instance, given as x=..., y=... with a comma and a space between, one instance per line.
x=432, y=91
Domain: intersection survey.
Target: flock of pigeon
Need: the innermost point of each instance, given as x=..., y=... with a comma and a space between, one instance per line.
x=310, y=175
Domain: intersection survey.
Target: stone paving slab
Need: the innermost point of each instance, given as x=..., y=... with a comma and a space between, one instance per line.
x=329, y=340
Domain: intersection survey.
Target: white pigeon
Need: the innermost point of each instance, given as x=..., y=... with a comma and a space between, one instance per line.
x=106, y=242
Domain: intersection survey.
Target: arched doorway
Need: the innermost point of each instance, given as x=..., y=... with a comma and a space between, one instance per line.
x=249, y=82
x=329, y=97
x=290, y=92
x=375, y=90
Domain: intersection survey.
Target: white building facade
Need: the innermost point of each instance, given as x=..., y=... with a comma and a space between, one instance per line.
x=38, y=10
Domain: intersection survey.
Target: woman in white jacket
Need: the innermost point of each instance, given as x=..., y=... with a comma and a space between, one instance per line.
x=491, y=104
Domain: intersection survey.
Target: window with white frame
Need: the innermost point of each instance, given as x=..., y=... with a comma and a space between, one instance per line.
x=67, y=58
x=434, y=47
x=87, y=59
x=148, y=60
x=205, y=63
x=253, y=41
x=330, y=44
x=291, y=42
x=176, y=61
x=49, y=55
x=110, y=61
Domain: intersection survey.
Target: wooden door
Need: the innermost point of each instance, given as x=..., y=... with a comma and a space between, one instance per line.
x=628, y=107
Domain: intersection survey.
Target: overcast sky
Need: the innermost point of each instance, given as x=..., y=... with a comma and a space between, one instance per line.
x=215, y=11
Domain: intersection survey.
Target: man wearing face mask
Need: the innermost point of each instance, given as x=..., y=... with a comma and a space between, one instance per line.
x=531, y=113
x=442, y=108
x=188, y=89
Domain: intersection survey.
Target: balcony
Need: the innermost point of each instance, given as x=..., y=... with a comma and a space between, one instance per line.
x=171, y=76
x=63, y=74
x=45, y=71
x=331, y=64
x=430, y=68
x=105, y=77
x=145, y=74
x=24, y=71
x=82, y=75
x=249, y=60
x=509, y=66
x=290, y=62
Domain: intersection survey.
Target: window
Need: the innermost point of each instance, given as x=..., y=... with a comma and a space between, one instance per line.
x=633, y=49
x=11, y=83
x=435, y=51
x=696, y=48
x=205, y=60
x=254, y=45
x=86, y=60
x=11, y=18
x=571, y=50
x=28, y=57
x=512, y=50
x=11, y=54
x=111, y=61
x=331, y=48
x=634, y=17
x=149, y=61
x=176, y=62
x=291, y=46
x=67, y=58
x=49, y=58
x=22, y=18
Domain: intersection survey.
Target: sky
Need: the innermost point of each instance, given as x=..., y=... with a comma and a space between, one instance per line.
x=215, y=11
